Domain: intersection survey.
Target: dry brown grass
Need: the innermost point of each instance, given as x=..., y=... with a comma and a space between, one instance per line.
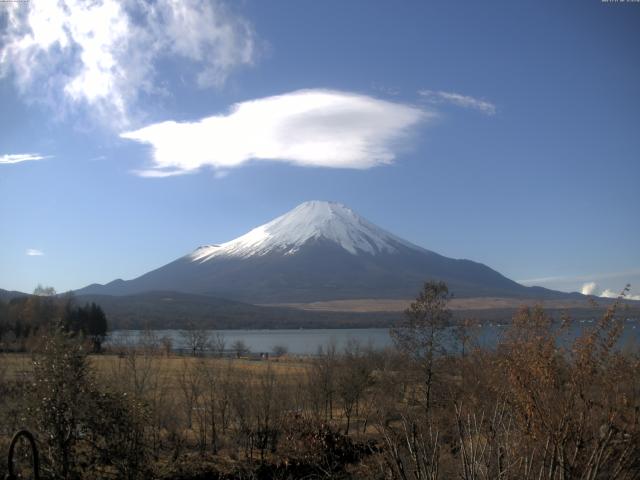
x=528, y=409
x=116, y=370
x=371, y=305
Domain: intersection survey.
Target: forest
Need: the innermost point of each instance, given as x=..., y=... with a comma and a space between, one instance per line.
x=26, y=320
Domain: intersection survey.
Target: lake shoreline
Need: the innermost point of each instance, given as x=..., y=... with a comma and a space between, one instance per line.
x=307, y=341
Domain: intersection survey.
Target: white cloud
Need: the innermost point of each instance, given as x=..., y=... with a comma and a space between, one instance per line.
x=313, y=128
x=592, y=288
x=464, y=101
x=589, y=288
x=20, y=157
x=103, y=54
x=34, y=252
x=607, y=293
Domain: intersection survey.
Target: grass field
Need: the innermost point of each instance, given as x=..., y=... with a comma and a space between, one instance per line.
x=348, y=414
x=370, y=305
x=17, y=366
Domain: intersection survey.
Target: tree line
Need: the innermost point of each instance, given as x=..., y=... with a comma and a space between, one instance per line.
x=24, y=320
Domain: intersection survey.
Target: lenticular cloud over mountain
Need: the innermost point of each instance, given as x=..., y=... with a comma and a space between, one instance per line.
x=312, y=128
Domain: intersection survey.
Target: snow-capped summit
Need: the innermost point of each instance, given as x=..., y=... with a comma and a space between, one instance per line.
x=313, y=220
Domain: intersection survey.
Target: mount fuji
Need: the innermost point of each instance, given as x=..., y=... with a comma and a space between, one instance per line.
x=318, y=251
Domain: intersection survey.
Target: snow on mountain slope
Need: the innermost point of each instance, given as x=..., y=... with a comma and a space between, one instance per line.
x=314, y=220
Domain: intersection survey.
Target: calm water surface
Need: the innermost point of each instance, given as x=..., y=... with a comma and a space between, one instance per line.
x=307, y=342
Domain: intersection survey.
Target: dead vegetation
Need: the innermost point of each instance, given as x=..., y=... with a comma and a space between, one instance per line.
x=533, y=408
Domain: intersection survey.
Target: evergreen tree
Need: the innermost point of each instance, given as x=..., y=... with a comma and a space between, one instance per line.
x=96, y=326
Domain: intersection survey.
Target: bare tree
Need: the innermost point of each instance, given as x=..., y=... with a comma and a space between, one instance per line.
x=354, y=376
x=240, y=348
x=134, y=370
x=212, y=384
x=189, y=382
x=322, y=380
x=269, y=408
x=465, y=335
x=218, y=344
x=200, y=387
x=42, y=291
x=412, y=452
x=148, y=342
x=60, y=401
x=280, y=350
x=167, y=345
x=421, y=333
x=197, y=341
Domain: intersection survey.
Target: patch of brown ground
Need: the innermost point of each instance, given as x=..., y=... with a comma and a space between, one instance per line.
x=366, y=305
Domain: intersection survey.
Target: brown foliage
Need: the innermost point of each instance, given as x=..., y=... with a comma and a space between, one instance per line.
x=543, y=404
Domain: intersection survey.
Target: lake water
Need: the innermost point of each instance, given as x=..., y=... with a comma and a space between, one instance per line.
x=307, y=342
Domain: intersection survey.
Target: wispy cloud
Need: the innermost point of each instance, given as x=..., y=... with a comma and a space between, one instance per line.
x=21, y=157
x=592, y=288
x=580, y=278
x=149, y=173
x=313, y=128
x=102, y=54
x=385, y=89
x=34, y=252
x=464, y=101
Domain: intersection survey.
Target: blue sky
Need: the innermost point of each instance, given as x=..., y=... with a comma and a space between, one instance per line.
x=504, y=132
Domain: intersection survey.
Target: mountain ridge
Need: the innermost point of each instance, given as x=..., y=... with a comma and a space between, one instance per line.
x=318, y=251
